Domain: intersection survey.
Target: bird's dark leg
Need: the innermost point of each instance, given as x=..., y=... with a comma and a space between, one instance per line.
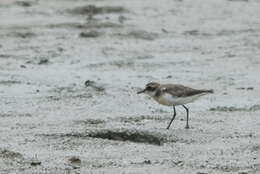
x=173, y=117
x=187, y=121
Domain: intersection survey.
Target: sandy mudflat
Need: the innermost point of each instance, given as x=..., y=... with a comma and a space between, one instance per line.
x=52, y=122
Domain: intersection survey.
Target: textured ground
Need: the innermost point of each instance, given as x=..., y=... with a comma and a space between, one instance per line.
x=52, y=122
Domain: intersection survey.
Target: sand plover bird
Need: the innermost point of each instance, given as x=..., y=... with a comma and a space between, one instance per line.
x=173, y=95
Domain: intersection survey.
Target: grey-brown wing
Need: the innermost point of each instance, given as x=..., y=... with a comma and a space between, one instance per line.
x=180, y=90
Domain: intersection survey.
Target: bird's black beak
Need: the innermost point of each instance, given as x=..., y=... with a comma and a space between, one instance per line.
x=142, y=91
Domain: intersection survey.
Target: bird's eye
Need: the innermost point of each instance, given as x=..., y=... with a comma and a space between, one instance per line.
x=149, y=88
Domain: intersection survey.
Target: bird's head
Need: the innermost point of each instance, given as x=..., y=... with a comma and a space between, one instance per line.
x=150, y=89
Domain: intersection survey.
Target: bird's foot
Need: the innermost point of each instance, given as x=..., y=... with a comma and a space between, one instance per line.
x=187, y=127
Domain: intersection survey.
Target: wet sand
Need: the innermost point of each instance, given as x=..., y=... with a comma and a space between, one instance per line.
x=70, y=70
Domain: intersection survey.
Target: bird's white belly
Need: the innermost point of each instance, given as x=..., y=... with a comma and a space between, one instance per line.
x=169, y=100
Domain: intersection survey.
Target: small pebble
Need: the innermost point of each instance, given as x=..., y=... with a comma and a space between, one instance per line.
x=43, y=61
x=75, y=159
x=147, y=162
x=165, y=31
x=36, y=163
x=24, y=3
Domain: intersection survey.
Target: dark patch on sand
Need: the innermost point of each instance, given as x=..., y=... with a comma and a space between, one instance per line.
x=74, y=162
x=6, y=56
x=11, y=157
x=255, y=148
x=4, y=153
x=122, y=19
x=131, y=64
x=90, y=121
x=65, y=89
x=23, y=35
x=94, y=85
x=227, y=168
x=239, y=0
x=140, y=34
x=23, y=3
x=142, y=162
x=246, y=88
x=92, y=9
x=137, y=136
x=237, y=135
x=195, y=33
x=234, y=109
x=90, y=34
x=15, y=115
x=111, y=64
x=43, y=61
x=68, y=92
x=129, y=135
x=69, y=96
x=61, y=135
x=103, y=25
x=141, y=118
x=35, y=163
x=9, y=82
x=74, y=159
x=85, y=25
x=233, y=32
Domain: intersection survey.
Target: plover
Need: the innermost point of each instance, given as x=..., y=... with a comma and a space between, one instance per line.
x=173, y=95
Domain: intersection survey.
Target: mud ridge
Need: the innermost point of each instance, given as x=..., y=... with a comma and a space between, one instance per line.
x=140, y=34
x=11, y=157
x=92, y=9
x=195, y=33
x=137, y=136
x=22, y=35
x=85, y=25
x=66, y=92
x=90, y=121
x=9, y=82
x=90, y=34
x=140, y=118
x=10, y=114
x=234, y=109
x=4, y=153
